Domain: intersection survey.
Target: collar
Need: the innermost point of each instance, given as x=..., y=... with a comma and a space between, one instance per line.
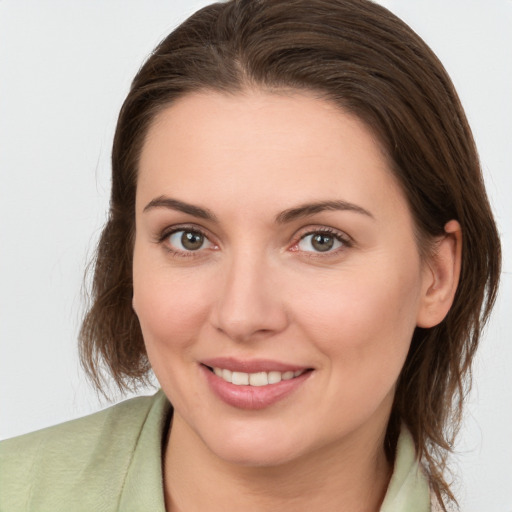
x=143, y=489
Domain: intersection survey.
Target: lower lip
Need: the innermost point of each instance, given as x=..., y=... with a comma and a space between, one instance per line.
x=252, y=397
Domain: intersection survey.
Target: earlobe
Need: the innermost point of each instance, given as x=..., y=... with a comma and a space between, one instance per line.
x=441, y=277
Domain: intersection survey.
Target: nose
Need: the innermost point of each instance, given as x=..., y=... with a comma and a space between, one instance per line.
x=249, y=304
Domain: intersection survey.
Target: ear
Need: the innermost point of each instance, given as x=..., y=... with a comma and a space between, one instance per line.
x=442, y=272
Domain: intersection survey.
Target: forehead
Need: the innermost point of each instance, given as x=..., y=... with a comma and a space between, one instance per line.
x=261, y=148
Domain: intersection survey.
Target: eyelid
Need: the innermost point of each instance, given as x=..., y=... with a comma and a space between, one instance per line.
x=169, y=230
x=339, y=235
x=164, y=235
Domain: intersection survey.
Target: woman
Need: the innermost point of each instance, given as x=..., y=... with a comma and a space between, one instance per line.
x=300, y=247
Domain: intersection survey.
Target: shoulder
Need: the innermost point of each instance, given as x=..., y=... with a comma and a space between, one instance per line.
x=60, y=462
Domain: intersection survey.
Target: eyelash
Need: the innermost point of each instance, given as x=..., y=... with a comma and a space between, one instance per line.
x=176, y=229
x=344, y=239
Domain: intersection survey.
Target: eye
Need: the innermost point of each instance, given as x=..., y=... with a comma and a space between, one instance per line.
x=188, y=240
x=321, y=242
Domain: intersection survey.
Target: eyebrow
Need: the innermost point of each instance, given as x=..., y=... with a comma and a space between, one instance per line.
x=284, y=217
x=308, y=209
x=175, y=204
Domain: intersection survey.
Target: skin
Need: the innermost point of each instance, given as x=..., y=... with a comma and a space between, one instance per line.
x=257, y=288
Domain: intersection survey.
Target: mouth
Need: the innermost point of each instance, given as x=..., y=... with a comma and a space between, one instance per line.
x=253, y=385
x=257, y=379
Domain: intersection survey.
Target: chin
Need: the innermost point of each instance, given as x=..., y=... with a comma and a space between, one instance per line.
x=267, y=454
x=257, y=445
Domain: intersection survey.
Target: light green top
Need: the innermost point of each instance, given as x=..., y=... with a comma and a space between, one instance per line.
x=111, y=461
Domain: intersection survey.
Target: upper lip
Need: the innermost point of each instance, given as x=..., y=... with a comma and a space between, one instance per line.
x=251, y=365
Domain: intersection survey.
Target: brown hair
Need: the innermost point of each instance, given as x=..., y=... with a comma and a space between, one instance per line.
x=360, y=56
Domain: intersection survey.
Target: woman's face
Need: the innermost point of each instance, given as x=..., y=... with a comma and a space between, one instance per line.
x=272, y=241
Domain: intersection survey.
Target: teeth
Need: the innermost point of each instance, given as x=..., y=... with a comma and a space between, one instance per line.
x=274, y=377
x=258, y=379
x=240, y=378
x=255, y=379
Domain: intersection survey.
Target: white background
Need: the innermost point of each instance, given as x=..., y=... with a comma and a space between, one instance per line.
x=65, y=67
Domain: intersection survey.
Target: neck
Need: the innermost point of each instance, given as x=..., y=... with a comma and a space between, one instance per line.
x=349, y=476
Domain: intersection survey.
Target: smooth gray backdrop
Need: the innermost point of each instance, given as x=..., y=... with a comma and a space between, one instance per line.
x=65, y=67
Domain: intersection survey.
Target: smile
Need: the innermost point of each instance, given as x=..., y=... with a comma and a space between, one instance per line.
x=255, y=379
x=255, y=384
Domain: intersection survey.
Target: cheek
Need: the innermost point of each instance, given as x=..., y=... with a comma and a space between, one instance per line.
x=171, y=307
x=171, y=311
x=363, y=321
x=363, y=329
